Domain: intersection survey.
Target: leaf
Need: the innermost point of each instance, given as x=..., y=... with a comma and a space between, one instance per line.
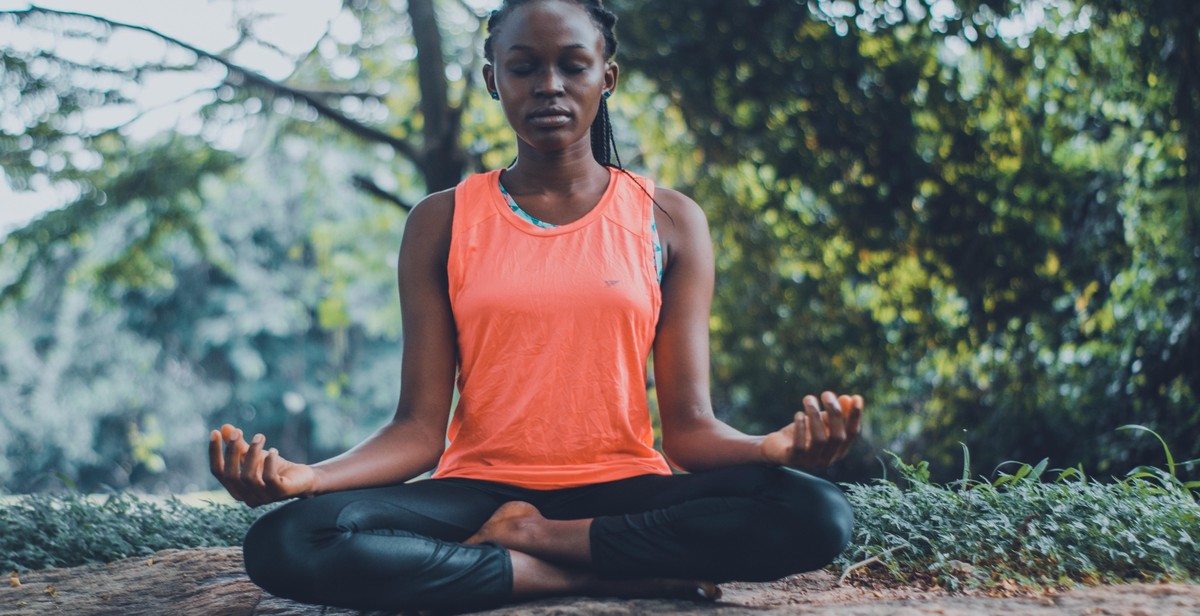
x=1166, y=450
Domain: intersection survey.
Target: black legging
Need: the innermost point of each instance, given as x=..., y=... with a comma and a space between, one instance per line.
x=399, y=547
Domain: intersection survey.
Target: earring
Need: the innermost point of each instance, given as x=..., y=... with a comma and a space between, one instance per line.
x=607, y=94
x=495, y=96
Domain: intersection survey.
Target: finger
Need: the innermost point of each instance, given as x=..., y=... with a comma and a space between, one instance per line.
x=838, y=418
x=252, y=466
x=235, y=450
x=837, y=426
x=802, y=443
x=829, y=401
x=854, y=410
x=804, y=424
x=271, y=474
x=832, y=412
x=818, y=421
x=270, y=471
x=854, y=417
x=216, y=460
x=816, y=427
x=799, y=433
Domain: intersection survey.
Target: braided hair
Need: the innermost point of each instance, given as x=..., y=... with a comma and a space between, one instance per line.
x=604, y=145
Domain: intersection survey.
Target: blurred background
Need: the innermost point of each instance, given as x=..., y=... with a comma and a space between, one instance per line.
x=983, y=215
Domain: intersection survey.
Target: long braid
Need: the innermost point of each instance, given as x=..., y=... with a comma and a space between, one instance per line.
x=601, y=135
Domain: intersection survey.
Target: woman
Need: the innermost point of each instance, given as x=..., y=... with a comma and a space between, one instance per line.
x=544, y=287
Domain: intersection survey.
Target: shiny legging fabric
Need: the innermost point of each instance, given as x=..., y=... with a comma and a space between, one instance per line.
x=398, y=547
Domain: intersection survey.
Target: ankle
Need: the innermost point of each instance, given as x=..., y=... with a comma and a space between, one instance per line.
x=534, y=577
x=523, y=532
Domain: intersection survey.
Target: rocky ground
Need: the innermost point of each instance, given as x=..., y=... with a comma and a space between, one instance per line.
x=212, y=582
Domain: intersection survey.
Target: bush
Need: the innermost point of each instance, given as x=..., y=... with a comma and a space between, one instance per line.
x=42, y=531
x=1020, y=530
x=1017, y=529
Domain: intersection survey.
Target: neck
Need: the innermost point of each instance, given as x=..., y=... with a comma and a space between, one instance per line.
x=569, y=170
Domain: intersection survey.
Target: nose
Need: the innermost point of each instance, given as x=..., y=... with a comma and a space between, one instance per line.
x=549, y=83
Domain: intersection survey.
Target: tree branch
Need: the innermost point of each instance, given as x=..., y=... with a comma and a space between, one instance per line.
x=367, y=185
x=256, y=80
x=320, y=93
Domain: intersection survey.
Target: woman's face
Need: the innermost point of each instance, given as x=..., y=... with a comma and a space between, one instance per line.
x=550, y=71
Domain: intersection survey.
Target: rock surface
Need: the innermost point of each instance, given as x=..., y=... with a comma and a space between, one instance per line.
x=212, y=582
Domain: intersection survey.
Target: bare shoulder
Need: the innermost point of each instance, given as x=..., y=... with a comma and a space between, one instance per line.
x=680, y=206
x=680, y=220
x=432, y=214
x=426, y=243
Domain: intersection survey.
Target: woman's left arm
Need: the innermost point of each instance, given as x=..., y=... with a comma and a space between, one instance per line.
x=693, y=438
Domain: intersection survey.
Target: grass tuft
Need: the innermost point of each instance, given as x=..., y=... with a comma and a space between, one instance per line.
x=41, y=531
x=1022, y=530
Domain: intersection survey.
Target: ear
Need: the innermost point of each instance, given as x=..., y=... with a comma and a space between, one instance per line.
x=612, y=74
x=489, y=77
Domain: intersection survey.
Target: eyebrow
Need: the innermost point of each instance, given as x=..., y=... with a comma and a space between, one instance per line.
x=519, y=47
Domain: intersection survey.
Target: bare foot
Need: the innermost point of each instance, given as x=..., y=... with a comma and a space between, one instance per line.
x=507, y=523
x=552, y=557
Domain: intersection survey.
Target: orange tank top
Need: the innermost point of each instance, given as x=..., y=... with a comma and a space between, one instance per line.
x=555, y=326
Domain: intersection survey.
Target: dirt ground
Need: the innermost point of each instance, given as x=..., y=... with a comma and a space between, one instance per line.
x=212, y=582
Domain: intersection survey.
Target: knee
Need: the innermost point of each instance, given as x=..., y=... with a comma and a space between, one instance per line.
x=819, y=513
x=269, y=553
x=835, y=516
x=261, y=547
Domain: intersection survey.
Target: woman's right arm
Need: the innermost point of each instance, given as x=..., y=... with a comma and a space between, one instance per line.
x=414, y=439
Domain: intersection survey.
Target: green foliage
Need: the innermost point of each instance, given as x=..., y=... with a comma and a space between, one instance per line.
x=1021, y=529
x=980, y=214
x=152, y=189
x=1018, y=528
x=41, y=531
x=114, y=381
x=988, y=229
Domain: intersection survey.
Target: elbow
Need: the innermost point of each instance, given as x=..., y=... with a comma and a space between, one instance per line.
x=677, y=455
x=421, y=443
x=430, y=450
x=435, y=454
x=687, y=442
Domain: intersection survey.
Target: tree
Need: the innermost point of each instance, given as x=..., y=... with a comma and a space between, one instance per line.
x=281, y=316
x=979, y=213
x=931, y=204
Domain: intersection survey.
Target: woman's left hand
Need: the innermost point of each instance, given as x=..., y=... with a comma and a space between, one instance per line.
x=819, y=435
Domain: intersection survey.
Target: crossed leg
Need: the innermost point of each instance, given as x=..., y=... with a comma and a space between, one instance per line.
x=455, y=544
x=553, y=557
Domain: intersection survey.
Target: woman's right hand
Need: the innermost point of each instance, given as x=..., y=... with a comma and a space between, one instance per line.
x=252, y=474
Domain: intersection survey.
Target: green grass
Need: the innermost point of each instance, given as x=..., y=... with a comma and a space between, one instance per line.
x=42, y=531
x=1024, y=529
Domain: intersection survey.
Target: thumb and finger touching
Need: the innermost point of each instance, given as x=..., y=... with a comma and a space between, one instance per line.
x=249, y=471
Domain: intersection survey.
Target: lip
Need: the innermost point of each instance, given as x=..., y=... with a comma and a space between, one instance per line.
x=546, y=112
x=549, y=117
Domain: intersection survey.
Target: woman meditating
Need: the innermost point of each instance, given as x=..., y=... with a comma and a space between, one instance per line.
x=543, y=288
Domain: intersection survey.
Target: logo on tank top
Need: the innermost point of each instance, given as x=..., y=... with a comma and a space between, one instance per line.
x=611, y=283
